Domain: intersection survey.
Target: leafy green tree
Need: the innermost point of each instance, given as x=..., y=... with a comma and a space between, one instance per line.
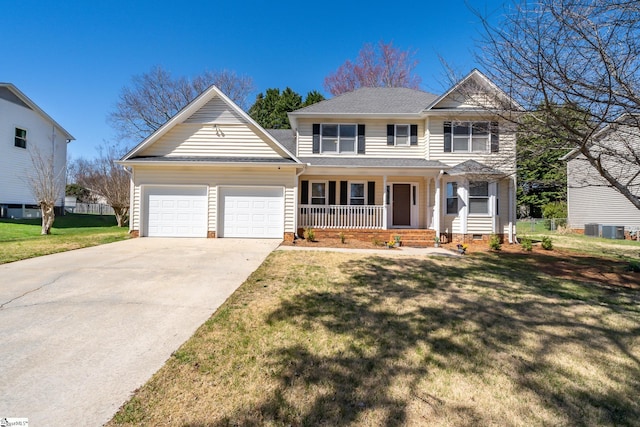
x=270, y=109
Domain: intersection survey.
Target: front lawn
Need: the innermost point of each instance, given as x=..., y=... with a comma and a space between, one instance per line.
x=21, y=239
x=319, y=338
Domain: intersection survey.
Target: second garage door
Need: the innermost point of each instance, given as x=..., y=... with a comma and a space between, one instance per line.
x=252, y=212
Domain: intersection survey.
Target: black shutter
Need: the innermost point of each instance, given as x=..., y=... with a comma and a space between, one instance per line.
x=332, y=192
x=371, y=193
x=414, y=134
x=447, y=137
x=495, y=137
x=304, y=192
x=391, y=129
x=343, y=193
x=316, y=138
x=361, y=140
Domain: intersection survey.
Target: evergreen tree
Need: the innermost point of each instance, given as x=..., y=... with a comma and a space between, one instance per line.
x=270, y=109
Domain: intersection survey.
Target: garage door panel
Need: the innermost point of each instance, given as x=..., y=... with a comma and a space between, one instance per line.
x=177, y=212
x=252, y=212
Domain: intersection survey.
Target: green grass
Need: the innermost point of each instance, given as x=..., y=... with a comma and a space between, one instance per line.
x=318, y=338
x=21, y=239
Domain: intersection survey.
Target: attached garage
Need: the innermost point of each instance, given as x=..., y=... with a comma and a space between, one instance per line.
x=256, y=212
x=176, y=211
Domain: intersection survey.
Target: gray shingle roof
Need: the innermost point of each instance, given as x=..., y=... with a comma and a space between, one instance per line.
x=286, y=138
x=374, y=100
x=372, y=162
x=474, y=168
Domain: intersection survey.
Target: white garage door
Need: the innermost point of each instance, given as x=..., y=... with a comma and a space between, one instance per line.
x=252, y=212
x=176, y=212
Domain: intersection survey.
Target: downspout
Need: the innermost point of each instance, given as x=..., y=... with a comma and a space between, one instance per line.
x=511, y=210
x=295, y=202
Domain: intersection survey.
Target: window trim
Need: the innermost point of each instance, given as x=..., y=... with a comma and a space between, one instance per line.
x=17, y=138
x=326, y=193
x=364, y=192
x=469, y=137
x=395, y=135
x=455, y=196
x=338, y=144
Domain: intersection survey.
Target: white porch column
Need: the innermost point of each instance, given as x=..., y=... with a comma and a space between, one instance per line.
x=512, y=208
x=437, y=209
x=384, y=202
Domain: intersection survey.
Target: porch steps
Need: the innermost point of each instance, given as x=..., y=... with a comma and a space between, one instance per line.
x=415, y=238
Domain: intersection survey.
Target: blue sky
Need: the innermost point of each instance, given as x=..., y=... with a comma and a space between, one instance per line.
x=72, y=58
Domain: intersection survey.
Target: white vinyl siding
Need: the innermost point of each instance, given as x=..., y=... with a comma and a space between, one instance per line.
x=16, y=163
x=375, y=140
x=214, y=177
x=220, y=140
x=479, y=225
x=216, y=110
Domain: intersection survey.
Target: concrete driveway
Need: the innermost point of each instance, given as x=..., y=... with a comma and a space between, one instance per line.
x=81, y=330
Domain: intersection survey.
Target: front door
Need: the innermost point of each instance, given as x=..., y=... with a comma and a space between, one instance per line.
x=402, y=205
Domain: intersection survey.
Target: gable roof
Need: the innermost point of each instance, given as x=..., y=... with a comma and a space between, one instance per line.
x=472, y=167
x=369, y=101
x=192, y=109
x=12, y=94
x=286, y=138
x=476, y=76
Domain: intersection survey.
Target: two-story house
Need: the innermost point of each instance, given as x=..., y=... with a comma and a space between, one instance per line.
x=25, y=130
x=372, y=162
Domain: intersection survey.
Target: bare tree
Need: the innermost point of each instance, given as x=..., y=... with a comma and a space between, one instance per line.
x=47, y=186
x=104, y=178
x=156, y=96
x=382, y=65
x=575, y=64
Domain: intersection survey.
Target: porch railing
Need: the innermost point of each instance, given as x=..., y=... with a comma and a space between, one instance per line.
x=341, y=216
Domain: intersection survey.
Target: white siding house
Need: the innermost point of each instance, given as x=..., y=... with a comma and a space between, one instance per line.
x=376, y=160
x=25, y=129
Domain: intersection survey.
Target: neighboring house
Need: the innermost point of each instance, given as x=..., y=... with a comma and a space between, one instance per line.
x=373, y=162
x=590, y=198
x=25, y=129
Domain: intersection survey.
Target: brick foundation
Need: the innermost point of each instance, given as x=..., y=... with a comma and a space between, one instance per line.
x=289, y=237
x=134, y=233
x=408, y=237
x=211, y=234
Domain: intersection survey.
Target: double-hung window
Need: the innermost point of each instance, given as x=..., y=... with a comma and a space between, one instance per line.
x=318, y=193
x=338, y=138
x=402, y=134
x=479, y=197
x=357, y=195
x=471, y=136
x=20, y=138
x=452, y=198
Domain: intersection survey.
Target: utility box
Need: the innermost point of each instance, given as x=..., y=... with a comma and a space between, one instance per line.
x=613, y=232
x=592, y=230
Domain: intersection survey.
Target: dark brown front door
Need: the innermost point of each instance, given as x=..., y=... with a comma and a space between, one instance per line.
x=402, y=205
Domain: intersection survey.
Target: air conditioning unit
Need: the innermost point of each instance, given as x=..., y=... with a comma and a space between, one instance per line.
x=613, y=232
x=592, y=230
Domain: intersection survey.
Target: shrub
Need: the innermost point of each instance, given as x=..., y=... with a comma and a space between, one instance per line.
x=547, y=243
x=634, y=266
x=526, y=243
x=310, y=235
x=343, y=238
x=556, y=211
x=494, y=242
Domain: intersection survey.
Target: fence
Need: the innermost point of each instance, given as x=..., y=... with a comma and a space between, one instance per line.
x=540, y=225
x=90, y=208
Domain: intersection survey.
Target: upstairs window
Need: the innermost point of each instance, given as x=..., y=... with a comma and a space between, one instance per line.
x=452, y=198
x=471, y=137
x=21, y=138
x=338, y=138
x=400, y=135
x=479, y=197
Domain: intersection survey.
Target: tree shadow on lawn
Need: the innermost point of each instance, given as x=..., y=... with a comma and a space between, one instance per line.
x=410, y=320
